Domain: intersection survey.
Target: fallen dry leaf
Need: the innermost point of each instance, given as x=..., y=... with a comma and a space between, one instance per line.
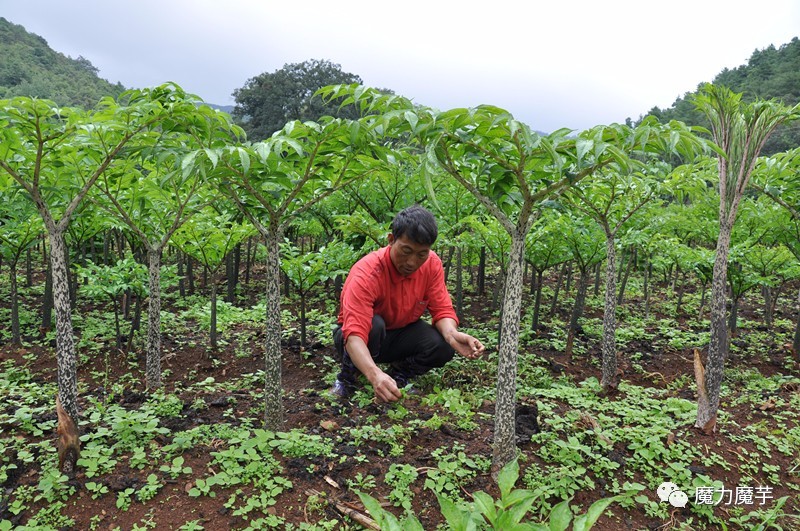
x=329, y=425
x=769, y=404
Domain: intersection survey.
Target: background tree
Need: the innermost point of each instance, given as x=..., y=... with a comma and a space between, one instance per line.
x=20, y=228
x=585, y=243
x=56, y=155
x=760, y=232
x=610, y=199
x=779, y=178
x=485, y=231
x=208, y=237
x=453, y=206
x=306, y=270
x=386, y=192
x=544, y=250
x=154, y=194
x=86, y=225
x=739, y=131
x=273, y=182
x=111, y=282
x=269, y=101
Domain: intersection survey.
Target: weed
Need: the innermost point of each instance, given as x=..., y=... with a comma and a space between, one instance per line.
x=150, y=489
x=393, y=437
x=297, y=443
x=53, y=486
x=176, y=468
x=453, y=469
x=362, y=482
x=97, y=489
x=192, y=525
x=124, y=498
x=400, y=477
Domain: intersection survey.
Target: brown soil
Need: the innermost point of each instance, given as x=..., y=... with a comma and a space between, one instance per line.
x=306, y=377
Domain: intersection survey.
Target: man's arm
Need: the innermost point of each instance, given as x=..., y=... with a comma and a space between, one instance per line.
x=384, y=385
x=464, y=344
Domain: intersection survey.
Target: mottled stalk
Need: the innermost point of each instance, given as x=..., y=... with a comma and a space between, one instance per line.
x=504, y=447
x=610, y=379
x=273, y=386
x=708, y=402
x=65, y=342
x=153, y=363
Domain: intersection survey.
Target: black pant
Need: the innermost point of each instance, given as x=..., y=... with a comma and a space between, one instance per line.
x=411, y=351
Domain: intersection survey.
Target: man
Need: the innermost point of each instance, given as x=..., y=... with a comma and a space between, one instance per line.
x=383, y=298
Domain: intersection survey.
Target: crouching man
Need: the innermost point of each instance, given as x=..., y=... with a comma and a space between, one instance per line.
x=383, y=298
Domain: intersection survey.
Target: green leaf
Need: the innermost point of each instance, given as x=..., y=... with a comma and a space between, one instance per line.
x=519, y=509
x=485, y=506
x=585, y=522
x=412, y=119
x=263, y=150
x=213, y=156
x=560, y=516
x=244, y=158
x=372, y=506
x=507, y=477
x=188, y=161
x=582, y=147
x=456, y=519
x=412, y=524
x=516, y=497
x=390, y=522
x=355, y=130
x=295, y=145
x=506, y=522
x=427, y=180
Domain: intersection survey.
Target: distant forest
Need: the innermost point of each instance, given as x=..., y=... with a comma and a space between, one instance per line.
x=770, y=73
x=31, y=68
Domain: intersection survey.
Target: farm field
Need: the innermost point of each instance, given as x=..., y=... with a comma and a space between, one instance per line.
x=170, y=276
x=194, y=455
x=175, y=285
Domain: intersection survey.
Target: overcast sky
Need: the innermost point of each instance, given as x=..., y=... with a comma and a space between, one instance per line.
x=551, y=63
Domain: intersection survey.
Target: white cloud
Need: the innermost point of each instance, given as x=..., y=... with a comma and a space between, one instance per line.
x=553, y=64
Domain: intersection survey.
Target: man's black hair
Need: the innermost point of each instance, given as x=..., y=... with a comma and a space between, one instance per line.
x=417, y=223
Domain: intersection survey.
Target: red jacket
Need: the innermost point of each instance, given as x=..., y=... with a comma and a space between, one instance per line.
x=375, y=287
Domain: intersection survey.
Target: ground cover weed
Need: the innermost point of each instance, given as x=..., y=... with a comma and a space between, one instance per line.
x=454, y=468
x=459, y=404
x=400, y=477
x=376, y=436
x=297, y=443
x=506, y=512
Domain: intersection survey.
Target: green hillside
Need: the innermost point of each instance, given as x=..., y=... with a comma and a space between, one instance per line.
x=769, y=73
x=31, y=68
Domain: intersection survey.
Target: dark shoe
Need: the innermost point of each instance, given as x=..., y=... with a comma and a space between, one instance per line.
x=341, y=389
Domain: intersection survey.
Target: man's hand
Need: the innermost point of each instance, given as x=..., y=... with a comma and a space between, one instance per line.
x=385, y=388
x=466, y=345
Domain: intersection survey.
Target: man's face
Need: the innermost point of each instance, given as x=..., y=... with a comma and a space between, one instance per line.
x=407, y=255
